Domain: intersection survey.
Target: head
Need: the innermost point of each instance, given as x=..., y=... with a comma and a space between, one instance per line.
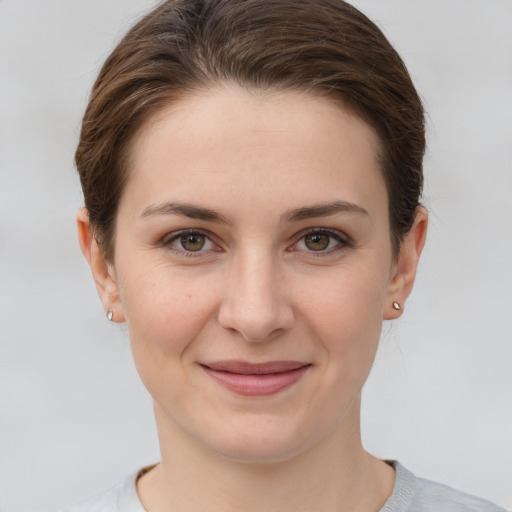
x=328, y=49
x=252, y=172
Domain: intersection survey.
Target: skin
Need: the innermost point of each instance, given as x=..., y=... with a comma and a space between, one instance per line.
x=258, y=290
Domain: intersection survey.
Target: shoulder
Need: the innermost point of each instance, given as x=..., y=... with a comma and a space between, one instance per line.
x=413, y=494
x=441, y=497
x=121, y=498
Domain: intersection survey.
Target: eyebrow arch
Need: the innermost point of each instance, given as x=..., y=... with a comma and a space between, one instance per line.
x=198, y=212
x=323, y=210
x=184, y=210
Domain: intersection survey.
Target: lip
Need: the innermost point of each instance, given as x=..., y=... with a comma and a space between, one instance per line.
x=256, y=379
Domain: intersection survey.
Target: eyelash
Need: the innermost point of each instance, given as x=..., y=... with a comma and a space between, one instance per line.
x=342, y=241
x=168, y=241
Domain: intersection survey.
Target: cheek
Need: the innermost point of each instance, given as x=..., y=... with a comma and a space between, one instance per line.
x=164, y=312
x=164, y=317
x=346, y=315
x=348, y=301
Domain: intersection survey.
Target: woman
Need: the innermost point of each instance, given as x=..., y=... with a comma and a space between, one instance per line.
x=252, y=173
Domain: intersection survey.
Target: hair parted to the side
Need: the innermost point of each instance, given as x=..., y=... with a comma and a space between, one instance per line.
x=325, y=47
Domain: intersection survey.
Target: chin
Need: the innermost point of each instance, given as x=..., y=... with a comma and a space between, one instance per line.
x=262, y=441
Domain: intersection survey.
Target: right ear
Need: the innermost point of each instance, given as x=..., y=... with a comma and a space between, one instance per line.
x=102, y=271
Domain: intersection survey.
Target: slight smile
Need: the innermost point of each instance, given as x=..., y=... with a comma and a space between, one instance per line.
x=260, y=379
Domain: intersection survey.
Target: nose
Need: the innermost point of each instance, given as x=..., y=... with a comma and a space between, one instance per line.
x=255, y=304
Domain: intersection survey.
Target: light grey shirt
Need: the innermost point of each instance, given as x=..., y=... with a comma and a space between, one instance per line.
x=410, y=494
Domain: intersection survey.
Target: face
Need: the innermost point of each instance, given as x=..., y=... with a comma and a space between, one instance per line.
x=253, y=266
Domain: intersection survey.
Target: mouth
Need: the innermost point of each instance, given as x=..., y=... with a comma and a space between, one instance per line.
x=256, y=379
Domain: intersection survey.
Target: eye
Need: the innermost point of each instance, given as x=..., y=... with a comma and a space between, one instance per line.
x=193, y=242
x=189, y=241
x=317, y=241
x=321, y=241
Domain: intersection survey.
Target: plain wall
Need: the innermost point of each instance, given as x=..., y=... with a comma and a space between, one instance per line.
x=74, y=418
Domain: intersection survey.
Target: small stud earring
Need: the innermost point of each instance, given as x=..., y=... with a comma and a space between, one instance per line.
x=110, y=315
x=396, y=306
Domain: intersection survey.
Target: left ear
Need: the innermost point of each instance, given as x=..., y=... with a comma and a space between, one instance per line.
x=402, y=280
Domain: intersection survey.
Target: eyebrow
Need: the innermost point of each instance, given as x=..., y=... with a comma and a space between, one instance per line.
x=184, y=210
x=323, y=210
x=198, y=212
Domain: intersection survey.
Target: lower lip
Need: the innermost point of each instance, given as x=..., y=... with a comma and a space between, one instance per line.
x=256, y=385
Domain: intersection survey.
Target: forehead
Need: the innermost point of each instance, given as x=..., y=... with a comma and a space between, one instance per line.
x=227, y=141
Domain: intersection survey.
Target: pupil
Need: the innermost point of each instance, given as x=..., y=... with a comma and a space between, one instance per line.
x=317, y=242
x=192, y=242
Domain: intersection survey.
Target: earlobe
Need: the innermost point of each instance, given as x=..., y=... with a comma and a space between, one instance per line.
x=402, y=281
x=102, y=271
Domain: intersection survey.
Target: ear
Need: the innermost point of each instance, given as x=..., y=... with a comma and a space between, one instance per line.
x=102, y=271
x=404, y=273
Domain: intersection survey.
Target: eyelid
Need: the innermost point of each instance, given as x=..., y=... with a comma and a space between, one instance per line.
x=173, y=235
x=342, y=239
x=168, y=239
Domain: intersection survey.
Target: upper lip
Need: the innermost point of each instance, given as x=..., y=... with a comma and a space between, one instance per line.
x=246, y=368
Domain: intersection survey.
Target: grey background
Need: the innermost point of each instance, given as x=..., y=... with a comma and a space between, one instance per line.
x=74, y=418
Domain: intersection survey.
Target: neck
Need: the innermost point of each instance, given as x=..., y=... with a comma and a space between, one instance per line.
x=335, y=475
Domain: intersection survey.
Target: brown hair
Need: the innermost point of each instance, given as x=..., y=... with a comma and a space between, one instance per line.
x=322, y=46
